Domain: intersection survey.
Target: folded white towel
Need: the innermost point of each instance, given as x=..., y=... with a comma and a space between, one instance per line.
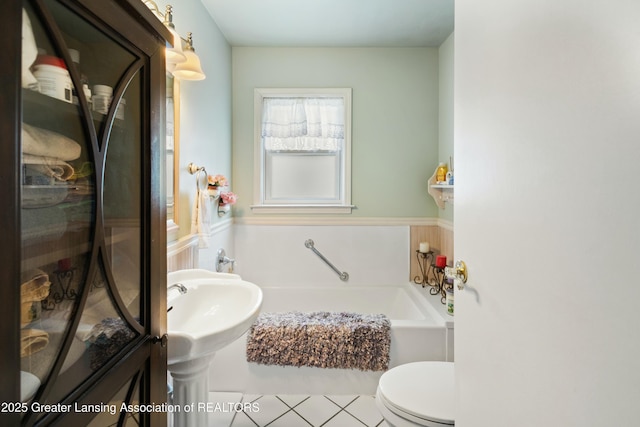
x=48, y=166
x=200, y=218
x=42, y=142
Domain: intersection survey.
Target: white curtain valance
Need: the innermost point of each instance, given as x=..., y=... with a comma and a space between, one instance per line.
x=303, y=124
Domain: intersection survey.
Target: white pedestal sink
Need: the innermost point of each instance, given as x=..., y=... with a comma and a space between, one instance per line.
x=217, y=309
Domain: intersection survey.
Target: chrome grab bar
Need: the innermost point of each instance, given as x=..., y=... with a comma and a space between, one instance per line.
x=344, y=276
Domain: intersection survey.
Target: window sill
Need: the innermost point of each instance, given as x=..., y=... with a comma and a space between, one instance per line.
x=305, y=209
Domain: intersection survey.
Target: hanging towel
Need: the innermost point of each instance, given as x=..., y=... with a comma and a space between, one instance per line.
x=200, y=219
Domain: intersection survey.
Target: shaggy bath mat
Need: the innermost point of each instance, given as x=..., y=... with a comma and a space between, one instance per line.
x=321, y=339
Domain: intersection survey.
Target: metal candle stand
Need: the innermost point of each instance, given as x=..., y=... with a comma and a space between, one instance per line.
x=64, y=282
x=431, y=275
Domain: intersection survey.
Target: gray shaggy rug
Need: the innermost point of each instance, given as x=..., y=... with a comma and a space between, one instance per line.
x=321, y=339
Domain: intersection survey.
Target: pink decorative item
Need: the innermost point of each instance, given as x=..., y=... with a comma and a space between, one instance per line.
x=217, y=181
x=228, y=198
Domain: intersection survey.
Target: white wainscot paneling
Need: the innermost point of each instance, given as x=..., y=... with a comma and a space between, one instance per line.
x=274, y=255
x=221, y=237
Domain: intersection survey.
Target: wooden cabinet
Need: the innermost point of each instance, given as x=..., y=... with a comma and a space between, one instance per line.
x=83, y=276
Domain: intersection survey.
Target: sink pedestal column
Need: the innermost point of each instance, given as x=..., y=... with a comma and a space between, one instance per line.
x=191, y=391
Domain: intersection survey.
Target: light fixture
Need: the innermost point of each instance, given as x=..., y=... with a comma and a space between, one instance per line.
x=191, y=68
x=174, y=54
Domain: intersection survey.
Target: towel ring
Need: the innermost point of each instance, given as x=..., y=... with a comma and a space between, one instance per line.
x=201, y=173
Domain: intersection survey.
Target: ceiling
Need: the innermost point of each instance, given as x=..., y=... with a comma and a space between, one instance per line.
x=333, y=23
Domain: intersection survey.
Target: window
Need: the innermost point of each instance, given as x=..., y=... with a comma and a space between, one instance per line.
x=302, y=150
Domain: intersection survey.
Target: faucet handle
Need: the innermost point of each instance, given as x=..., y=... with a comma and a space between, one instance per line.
x=223, y=259
x=220, y=259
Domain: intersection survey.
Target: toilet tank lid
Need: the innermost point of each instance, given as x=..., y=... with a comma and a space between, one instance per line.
x=421, y=389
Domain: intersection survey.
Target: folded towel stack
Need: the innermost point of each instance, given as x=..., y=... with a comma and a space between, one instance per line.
x=45, y=154
x=34, y=288
x=32, y=341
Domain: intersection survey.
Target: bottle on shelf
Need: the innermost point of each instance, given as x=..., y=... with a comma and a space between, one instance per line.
x=53, y=77
x=441, y=173
x=84, y=80
x=102, y=95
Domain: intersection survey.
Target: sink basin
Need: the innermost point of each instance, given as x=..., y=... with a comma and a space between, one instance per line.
x=217, y=309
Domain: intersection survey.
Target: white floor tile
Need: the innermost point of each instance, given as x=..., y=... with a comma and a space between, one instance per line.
x=290, y=419
x=342, y=400
x=241, y=420
x=268, y=409
x=343, y=419
x=251, y=397
x=223, y=414
x=364, y=409
x=317, y=410
x=293, y=400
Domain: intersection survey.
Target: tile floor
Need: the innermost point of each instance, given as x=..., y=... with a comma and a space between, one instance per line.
x=305, y=411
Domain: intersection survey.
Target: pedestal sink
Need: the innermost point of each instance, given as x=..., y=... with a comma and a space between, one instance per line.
x=216, y=309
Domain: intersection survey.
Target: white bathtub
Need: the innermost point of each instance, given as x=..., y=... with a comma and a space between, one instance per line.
x=420, y=330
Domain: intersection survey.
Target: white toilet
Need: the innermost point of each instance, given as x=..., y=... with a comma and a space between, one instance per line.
x=417, y=394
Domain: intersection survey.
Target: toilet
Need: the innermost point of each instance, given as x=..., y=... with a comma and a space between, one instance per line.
x=417, y=394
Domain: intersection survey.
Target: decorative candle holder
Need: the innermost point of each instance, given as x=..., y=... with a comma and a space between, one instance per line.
x=61, y=288
x=432, y=273
x=425, y=262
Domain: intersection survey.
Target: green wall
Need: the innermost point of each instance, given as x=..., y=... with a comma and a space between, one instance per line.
x=395, y=138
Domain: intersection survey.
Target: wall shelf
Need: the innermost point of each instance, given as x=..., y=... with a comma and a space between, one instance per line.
x=441, y=193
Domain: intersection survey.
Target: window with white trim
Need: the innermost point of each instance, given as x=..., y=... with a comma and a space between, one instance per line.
x=302, y=150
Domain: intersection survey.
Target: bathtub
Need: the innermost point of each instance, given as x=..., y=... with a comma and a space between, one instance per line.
x=420, y=330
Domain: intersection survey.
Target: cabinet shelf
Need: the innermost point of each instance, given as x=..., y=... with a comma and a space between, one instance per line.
x=31, y=98
x=61, y=117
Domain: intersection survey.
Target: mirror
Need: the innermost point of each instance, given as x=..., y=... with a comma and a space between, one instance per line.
x=172, y=152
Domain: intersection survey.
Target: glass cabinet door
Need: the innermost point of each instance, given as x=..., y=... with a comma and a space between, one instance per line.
x=84, y=170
